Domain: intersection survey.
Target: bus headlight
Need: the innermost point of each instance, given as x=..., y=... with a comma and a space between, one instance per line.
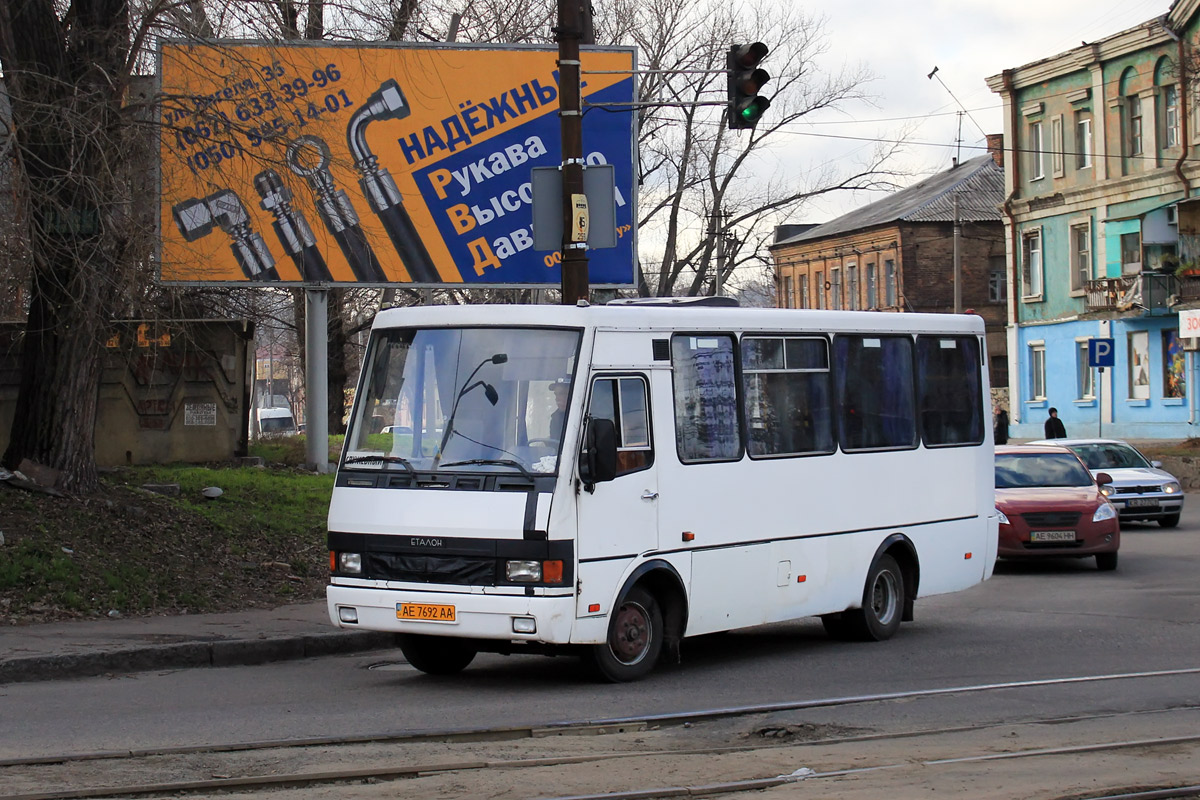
x=523, y=571
x=350, y=563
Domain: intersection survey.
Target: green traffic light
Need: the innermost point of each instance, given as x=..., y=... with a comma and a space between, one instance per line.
x=754, y=109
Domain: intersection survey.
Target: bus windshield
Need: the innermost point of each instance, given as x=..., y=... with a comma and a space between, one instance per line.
x=490, y=399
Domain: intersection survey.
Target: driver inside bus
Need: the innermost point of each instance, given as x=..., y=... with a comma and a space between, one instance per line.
x=562, y=390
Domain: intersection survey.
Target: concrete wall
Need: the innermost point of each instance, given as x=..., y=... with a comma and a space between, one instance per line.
x=170, y=391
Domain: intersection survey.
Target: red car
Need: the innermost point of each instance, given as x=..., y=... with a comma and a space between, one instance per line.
x=1050, y=505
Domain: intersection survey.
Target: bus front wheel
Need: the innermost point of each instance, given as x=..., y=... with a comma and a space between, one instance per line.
x=882, y=606
x=635, y=639
x=435, y=655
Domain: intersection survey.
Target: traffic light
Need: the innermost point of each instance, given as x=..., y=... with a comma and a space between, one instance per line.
x=745, y=80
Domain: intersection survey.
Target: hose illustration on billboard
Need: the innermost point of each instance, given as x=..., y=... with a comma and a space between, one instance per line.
x=291, y=227
x=308, y=157
x=196, y=219
x=380, y=188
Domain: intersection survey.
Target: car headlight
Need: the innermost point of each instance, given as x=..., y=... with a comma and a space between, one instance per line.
x=1172, y=488
x=1003, y=519
x=1107, y=490
x=1104, y=511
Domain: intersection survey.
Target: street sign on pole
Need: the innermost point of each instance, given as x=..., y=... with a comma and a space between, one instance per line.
x=1101, y=353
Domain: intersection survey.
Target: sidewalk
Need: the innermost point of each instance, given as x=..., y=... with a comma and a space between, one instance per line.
x=95, y=647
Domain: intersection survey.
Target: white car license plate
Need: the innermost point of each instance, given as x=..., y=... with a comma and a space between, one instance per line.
x=1052, y=536
x=1141, y=502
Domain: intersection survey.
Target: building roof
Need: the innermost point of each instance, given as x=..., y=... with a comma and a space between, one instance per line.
x=978, y=184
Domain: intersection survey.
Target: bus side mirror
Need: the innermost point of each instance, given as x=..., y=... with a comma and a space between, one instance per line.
x=598, y=462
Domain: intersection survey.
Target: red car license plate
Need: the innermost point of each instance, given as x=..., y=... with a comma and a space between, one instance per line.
x=1052, y=536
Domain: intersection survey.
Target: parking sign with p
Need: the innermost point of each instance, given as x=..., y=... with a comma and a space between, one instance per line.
x=1101, y=353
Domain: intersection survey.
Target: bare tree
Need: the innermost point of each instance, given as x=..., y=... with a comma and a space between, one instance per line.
x=709, y=195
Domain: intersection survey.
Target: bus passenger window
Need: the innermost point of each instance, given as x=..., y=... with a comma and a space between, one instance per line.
x=624, y=401
x=874, y=377
x=706, y=406
x=787, y=395
x=951, y=390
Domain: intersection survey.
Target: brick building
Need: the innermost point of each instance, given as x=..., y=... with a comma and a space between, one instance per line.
x=897, y=254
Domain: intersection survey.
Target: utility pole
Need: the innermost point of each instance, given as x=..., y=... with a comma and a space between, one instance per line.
x=570, y=112
x=957, y=259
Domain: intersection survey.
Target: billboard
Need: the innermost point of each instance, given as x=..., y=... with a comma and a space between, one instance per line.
x=287, y=163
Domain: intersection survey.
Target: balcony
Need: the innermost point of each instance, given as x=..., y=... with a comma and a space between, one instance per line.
x=1149, y=292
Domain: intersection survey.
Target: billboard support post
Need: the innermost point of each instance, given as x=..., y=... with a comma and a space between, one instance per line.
x=570, y=111
x=316, y=378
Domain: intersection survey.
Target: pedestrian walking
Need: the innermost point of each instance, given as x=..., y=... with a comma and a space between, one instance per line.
x=1054, y=426
x=1002, y=426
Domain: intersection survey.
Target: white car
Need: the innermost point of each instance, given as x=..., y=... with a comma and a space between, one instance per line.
x=1140, y=489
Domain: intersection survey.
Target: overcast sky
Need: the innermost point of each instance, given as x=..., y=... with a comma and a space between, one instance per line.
x=968, y=40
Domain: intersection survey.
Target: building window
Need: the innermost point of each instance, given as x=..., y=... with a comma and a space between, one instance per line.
x=1037, y=372
x=1086, y=383
x=889, y=283
x=852, y=287
x=1037, y=170
x=997, y=284
x=1081, y=257
x=872, y=287
x=1056, y=146
x=835, y=289
x=1031, y=264
x=787, y=291
x=1171, y=116
x=1173, y=381
x=802, y=294
x=1134, y=105
x=820, y=290
x=1131, y=253
x=1139, y=365
x=1083, y=141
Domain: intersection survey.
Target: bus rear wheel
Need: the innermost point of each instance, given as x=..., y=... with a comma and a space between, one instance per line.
x=635, y=640
x=435, y=655
x=882, y=606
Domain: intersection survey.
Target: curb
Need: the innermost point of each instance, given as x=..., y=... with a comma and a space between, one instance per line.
x=219, y=653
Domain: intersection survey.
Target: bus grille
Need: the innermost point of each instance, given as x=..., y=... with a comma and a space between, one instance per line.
x=456, y=570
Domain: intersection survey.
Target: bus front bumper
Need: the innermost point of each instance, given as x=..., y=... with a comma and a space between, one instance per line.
x=475, y=616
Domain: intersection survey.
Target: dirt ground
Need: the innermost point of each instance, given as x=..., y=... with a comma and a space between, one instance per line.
x=128, y=552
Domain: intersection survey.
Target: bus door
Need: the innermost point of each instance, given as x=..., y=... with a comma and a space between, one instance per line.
x=618, y=519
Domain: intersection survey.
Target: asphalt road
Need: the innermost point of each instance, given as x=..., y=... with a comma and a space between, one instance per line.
x=1049, y=620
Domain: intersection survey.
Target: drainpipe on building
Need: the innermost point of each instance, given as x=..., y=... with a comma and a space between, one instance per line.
x=1185, y=147
x=1014, y=403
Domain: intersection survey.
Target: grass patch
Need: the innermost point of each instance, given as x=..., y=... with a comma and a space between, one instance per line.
x=276, y=504
x=292, y=451
x=126, y=550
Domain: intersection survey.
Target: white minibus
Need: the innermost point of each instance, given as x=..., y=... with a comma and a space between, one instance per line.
x=607, y=480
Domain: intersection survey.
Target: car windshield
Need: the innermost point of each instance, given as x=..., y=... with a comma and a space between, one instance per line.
x=1109, y=455
x=484, y=399
x=1023, y=470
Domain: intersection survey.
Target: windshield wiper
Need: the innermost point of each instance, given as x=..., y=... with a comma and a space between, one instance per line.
x=386, y=460
x=502, y=462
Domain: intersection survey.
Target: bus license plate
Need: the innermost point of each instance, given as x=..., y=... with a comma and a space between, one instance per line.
x=1052, y=536
x=1142, y=502
x=425, y=612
